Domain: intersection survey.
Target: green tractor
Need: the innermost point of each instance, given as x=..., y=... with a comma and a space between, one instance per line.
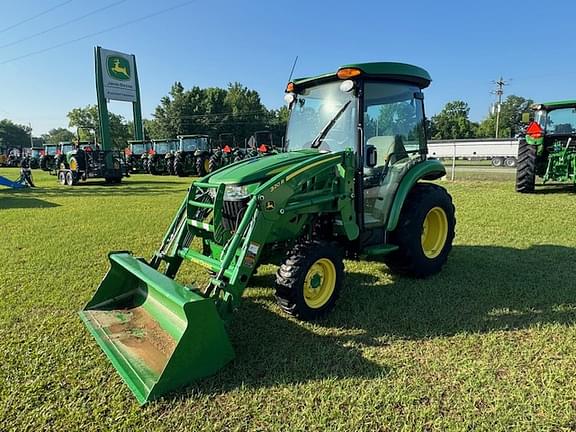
x=261, y=143
x=161, y=157
x=343, y=188
x=88, y=161
x=34, y=157
x=225, y=153
x=192, y=156
x=60, y=159
x=47, y=162
x=136, y=156
x=548, y=147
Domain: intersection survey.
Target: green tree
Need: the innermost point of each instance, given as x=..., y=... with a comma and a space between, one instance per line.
x=87, y=118
x=510, y=118
x=453, y=122
x=56, y=135
x=14, y=135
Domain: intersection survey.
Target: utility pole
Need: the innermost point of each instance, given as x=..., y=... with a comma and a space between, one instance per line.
x=499, y=91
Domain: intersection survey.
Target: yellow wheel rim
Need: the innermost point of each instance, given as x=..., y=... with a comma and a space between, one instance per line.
x=73, y=165
x=319, y=283
x=434, y=232
x=206, y=165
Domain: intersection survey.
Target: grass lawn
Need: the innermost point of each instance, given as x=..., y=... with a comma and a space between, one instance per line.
x=488, y=344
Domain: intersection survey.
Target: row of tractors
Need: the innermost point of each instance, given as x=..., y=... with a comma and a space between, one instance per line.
x=194, y=155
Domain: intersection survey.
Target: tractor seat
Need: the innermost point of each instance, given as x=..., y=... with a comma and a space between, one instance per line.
x=389, y=148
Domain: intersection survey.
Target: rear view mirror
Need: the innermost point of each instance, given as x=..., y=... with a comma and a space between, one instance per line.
x=371, y=156
x=526, y=117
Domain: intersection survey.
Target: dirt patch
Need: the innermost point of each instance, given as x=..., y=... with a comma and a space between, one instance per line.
x=139, y=335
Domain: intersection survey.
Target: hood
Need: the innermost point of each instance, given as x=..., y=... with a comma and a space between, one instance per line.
x=259, y=169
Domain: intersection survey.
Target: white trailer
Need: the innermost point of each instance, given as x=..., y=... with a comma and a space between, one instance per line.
x=499, y=152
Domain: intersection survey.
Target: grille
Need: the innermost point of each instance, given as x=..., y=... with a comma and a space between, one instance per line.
x=232, y=212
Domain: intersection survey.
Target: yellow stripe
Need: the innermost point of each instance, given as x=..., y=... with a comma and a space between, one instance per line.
x=301, y=170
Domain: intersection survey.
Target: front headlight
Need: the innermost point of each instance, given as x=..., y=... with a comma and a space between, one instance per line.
x=235, y=193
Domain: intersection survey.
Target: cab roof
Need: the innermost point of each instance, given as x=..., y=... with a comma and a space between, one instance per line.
x=382, y=70
x=568, y=103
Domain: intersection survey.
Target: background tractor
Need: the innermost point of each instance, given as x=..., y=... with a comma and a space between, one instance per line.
x=160, y=158
x=343, y=188
x=47, y=160
x=225, y=153
x=60, y=159
x=192, y=156
x=137, y=156
x=34, y=157
x=87, y=160
x=260, y=143
x=548, y=147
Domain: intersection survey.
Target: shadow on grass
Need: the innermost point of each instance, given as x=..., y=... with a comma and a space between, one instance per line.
x=482, y=289
x=555, y=188
x=13, y=202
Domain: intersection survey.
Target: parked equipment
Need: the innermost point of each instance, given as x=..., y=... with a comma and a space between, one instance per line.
x=548, y=148
x=225, y=153
x=60, y=159
x=87, y=160
x=161, y=157
x=47, y=160
x=339, y=190
x=261, y=143
x=192, y=156
x=34, y=156
x=137, y=156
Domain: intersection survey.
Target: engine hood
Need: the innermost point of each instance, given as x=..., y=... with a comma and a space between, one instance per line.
x=259, y=169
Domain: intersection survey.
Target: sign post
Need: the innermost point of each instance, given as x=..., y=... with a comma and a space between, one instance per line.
x=116, y=79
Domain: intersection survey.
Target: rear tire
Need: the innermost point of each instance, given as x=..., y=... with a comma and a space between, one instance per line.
x=200, y=166
x=309, y=281
x=424, y=233
x=526, y=167
x=213, y=164
x=179, y=168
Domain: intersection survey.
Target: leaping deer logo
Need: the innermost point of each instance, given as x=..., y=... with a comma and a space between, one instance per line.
x=120, y=70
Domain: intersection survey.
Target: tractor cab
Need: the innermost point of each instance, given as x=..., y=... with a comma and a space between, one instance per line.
x=260, y=143
x=161, y=156
x=136, y=155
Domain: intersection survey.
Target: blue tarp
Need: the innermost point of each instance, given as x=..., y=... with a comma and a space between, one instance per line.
x=18, y=184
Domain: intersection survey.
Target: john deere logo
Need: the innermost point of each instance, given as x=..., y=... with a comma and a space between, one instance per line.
x=118, y=68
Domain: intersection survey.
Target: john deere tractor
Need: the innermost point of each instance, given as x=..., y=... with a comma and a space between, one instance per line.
x=354, y=182
x=137, y=155
x=60, y=159
x=47, y=162
x=261, y=143
x=192, y=156
x=88, y=161
x=548, y=148
x=226, y=153
x=161, y=157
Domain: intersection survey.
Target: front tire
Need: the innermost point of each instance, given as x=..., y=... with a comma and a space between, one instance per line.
x=213, y=164
x=309, y=281
x=526, y=167
x=424, y=233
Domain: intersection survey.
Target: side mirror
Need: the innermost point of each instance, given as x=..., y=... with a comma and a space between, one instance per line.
x=371, y=156
x=526, y=117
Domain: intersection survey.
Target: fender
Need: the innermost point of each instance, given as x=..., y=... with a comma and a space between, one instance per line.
x=427, y=170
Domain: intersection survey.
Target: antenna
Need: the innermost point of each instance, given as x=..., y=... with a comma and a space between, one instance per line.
x=292, y=70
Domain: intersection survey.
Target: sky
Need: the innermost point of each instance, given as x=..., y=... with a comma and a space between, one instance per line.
x=463, y=45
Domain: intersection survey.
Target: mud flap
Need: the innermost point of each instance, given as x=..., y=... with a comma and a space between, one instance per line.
x=158, y=334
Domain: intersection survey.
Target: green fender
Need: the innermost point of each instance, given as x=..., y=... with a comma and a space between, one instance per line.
x=427, y=170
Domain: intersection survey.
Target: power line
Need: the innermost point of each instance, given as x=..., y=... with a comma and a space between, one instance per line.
x=115, y=27
x=95, y=11
x=35, y=16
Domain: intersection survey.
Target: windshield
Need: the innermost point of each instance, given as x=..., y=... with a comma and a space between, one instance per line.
x=313, y=111
x=51, y=150
x=35, y=153
x=191, y=144
x=67, y=148
x=138, y=148
x=162, y=148
x=558, y=121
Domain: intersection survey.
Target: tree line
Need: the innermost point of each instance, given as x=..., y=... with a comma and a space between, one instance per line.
x=239, y=110
x=453, y=122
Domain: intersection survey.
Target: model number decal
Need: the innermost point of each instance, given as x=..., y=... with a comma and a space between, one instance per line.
x=277, y=185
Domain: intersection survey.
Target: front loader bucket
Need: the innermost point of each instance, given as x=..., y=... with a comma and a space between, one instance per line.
x=158, y=334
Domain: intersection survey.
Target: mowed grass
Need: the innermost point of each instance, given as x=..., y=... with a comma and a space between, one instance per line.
x=488, y=344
